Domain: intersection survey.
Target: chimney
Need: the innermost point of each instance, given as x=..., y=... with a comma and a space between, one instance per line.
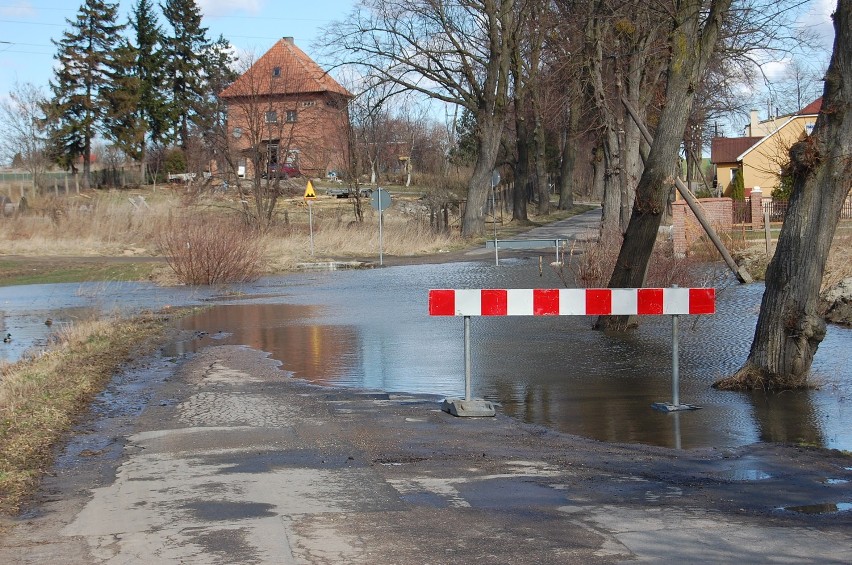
x=289, y=40
x=754, y=121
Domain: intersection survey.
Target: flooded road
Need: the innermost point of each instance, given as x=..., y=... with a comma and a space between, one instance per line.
x=370, y=329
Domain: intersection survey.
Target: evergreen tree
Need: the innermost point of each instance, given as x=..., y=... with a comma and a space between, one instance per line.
x=150, y=62
x=185, y=64
x=85, y=59
x=212, y=119
x=138, y=108
x=123, y=123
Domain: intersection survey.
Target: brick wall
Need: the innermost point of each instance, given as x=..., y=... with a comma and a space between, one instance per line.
x=685, y=227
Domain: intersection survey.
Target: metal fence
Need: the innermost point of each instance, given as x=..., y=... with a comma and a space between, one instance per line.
x=741, y=211
x=16, y=184
x=777, y=210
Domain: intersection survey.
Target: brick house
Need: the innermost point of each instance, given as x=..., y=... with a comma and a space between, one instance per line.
x=763, y=150
x=286, y=114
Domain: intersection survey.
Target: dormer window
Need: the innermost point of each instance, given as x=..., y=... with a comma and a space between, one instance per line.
x=276, y=72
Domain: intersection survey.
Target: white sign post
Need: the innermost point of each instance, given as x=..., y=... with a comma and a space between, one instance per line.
x=381, y=201
x=310, y=196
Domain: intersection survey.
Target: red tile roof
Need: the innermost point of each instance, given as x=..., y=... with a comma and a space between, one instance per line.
x=727, y=149
x=812, y=108
x=298, y=74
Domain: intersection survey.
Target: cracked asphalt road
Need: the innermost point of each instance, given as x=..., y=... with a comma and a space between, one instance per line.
x=224, y=459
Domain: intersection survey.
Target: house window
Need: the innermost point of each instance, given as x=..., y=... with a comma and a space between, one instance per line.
x=291, y=116
x=276, y=72
x=272, y=117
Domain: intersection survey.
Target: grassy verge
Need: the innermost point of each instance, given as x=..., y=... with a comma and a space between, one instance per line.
x=60, y=270
x=42, y=397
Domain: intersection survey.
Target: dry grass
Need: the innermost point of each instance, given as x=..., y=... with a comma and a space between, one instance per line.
x=593, y=267
x=109, y=224
x=752, y=255
x=42, y=397
x=751, y=377
x=839, y=264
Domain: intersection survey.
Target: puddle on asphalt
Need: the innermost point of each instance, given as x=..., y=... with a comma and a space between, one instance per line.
x=227, y=511
x=744, y=475
x=821, y=508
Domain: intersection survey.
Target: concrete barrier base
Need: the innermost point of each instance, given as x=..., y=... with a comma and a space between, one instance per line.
x=668, y=407
x=468, y=408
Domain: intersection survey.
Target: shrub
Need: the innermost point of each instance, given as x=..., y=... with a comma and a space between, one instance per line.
x=593, y=266
x=212, y=250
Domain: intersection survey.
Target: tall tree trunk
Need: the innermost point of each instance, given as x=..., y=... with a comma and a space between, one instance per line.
x=691, y=46
x=522, y=167
x=569, y=158
x=789, y=328
x=611, y=218
x=490, y=126
x=632, y=161
x=540, y=158
x=541, y=169
x=87, y=163
x=611, y=164
x=598, y=169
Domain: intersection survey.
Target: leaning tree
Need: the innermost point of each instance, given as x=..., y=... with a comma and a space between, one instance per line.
x=789, y=328
x=692, y=37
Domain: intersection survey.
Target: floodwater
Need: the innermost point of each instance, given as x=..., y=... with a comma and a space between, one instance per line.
x=370, y=329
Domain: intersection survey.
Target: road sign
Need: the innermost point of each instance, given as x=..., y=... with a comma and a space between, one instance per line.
x=381, y=199
x=310, y=194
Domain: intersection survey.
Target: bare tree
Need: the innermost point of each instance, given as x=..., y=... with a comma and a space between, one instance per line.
x=21, y=131
x=457, y=52
x=789, y=328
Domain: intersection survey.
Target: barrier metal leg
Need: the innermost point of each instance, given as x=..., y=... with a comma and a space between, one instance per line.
x=467, y=394
x=675, y=366
x=675, y=404
x=468, y=406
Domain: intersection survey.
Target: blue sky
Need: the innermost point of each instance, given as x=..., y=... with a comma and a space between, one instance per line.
x=27, y=26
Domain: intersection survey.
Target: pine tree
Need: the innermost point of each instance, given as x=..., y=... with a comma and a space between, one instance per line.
x=218, y=74
x=185, y=65
x=123, y=122
x=137, y=101
x=85, y=58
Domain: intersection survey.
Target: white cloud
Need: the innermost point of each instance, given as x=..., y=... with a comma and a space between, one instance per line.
x=818, y=20
x=21, y=9
x=214, y=8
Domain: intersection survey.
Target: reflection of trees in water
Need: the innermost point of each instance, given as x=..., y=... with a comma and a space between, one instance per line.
x=787, y=417
x=312, y=352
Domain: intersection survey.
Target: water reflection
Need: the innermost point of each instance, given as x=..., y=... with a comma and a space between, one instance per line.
x=370, y=329
x=324, y=351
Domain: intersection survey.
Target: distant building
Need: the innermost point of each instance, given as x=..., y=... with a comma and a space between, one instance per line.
x=286, y=114
x=763, y=151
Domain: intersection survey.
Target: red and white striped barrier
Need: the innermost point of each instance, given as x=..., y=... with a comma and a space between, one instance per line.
x=572, y=301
